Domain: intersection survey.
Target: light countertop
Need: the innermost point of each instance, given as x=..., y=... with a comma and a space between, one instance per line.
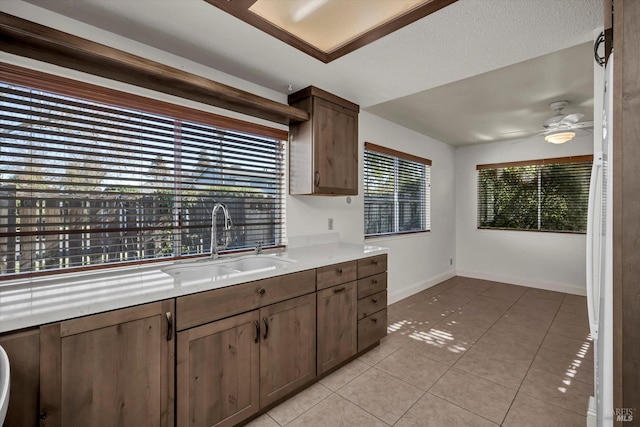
x=49, y=299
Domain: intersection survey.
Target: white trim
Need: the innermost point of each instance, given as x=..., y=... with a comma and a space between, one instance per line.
x=523, y=281
x=406, y=292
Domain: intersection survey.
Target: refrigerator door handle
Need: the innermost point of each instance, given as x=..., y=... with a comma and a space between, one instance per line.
x=591, y=298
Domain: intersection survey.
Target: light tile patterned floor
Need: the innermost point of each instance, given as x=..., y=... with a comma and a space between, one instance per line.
x=465, y=352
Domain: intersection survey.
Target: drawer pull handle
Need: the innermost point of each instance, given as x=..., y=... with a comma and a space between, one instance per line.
x=374, y=281
x=316, y=180
x=262, y=291
x=374, y=319
x=339, y=271
x=266, y=327
x=257, y=325
x=374, y=300
x=375, y=262
x=340, y=289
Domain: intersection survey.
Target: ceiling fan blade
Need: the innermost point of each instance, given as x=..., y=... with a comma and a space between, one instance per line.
x=570, y=119
x=530, y=137
x=583, y=125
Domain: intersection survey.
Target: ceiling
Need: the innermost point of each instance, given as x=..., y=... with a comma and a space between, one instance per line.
x=467, y=73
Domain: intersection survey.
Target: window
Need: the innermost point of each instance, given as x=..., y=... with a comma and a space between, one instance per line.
x=86, y=183
x=396, y=192
x=540, y=195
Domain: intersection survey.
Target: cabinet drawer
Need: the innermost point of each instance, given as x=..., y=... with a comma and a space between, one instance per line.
x=372, y=265
x=372, y=285
x=336, y=274
x=197, y=309
x=372, y=304
x=372, y=329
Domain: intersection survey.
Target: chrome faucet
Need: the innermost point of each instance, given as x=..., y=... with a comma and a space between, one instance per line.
x=214, y=229
x=258, y=249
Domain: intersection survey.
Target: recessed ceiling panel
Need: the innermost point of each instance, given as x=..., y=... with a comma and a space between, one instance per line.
x=329, y=24
x=329, y=29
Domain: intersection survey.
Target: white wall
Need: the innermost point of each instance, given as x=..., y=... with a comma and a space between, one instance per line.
x=416, y=261
x=553, y=261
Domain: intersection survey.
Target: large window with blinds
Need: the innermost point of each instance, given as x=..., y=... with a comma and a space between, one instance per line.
x=85, y=183
x=396, y=192
x=537, y=195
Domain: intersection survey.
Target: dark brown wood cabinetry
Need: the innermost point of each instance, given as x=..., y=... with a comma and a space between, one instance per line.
x=110, y=369
x=287, y=348
x=218, y=372
x=23, y=349
x=372, y=301
x=323, y=157
x=229, y=369
x=337, y=310
x=238, y=351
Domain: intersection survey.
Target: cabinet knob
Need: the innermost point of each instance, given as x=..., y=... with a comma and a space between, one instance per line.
x=374, y=281
x=374, y=300
x=42, y=415
x=261, y=291
x=375, y=262
x=374, y=319
x=339, y=270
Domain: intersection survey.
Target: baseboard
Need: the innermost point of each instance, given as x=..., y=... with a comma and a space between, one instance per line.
x=403, y=293
x=522, y=281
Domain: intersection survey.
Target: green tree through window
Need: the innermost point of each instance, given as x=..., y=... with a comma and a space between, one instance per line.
x=541, y=195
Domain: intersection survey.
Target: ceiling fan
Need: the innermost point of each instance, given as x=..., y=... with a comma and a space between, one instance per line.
x=562, y=127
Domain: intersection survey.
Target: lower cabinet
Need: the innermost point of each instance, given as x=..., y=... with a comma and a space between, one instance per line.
x=288, y=347
x=218, y=372
x=110, y=369
x=337, y=310
x=229, y=369
x=23, y=349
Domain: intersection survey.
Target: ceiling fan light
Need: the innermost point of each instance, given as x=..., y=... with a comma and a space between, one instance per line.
x=559, y=137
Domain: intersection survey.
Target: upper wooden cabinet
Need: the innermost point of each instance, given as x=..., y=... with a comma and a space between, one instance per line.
x=323, y=157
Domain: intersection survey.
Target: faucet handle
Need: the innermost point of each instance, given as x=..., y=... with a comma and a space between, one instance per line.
x=259, y=246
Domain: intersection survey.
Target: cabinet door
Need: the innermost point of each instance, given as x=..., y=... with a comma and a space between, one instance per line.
x=218, y=372
x=23, y=349
x=335, y=148
x=110, y=369
x=337, y=325
x=288, y=347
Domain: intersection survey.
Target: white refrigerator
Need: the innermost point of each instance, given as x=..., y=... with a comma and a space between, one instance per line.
x=600, y=264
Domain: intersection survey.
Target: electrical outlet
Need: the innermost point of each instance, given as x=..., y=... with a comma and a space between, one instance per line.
x=330, y=224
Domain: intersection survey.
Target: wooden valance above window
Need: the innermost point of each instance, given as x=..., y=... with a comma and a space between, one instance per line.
x=25, y=38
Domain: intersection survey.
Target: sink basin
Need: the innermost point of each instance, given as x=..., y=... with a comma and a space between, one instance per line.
x=256, y=262
x=193, y=271
x=224, y=268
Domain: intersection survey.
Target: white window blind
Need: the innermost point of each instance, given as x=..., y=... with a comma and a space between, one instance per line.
x=396, y=192
x=86, y=183
x=537, y=195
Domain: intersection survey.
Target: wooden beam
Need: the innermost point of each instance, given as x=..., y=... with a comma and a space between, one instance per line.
x=626, y=204
x=25, y=38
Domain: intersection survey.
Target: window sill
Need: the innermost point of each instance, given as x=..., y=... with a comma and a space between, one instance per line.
x=395, y=236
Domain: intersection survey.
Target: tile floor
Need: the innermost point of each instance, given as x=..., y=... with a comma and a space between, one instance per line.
x=465, y=352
